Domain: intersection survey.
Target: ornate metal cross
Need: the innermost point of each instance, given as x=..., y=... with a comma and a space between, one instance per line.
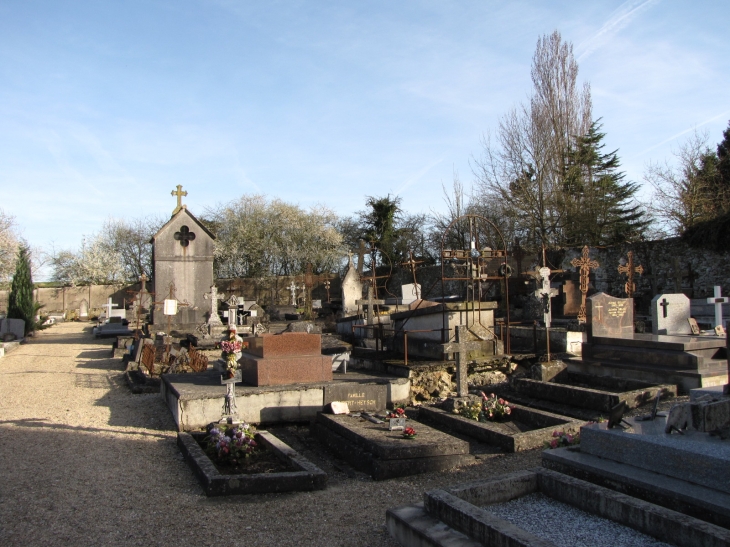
x=411, y=263
x=718, y=300
x=584, y=265
x=139, y=296
x=184, y=236
x=179, y=193
x=460, y=347
x=629, y=269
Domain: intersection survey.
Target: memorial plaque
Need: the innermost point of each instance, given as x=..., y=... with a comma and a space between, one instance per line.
x=669, y=314
x=611, y=316
x=358, y=397
x=396, y=424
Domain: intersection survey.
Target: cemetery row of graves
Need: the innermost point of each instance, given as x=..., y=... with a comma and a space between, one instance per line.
x=410, y=384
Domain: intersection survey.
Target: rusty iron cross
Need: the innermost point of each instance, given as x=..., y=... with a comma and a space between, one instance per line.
x=629, y=269
x=179, y=193
x=411, y=264
x=584, y=265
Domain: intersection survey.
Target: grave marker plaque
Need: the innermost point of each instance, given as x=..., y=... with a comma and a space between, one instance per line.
x=358, y=397
x=611, y=317
x=670, y=314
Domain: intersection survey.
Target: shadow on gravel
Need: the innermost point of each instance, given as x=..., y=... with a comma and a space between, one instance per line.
x=95, y=354
x=36, y=423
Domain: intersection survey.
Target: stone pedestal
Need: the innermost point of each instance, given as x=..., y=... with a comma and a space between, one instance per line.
x=286, y=358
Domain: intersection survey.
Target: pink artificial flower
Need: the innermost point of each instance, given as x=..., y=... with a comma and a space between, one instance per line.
x=492, y=396
x=554, y=443
x=501, y=401
x=556, y=434
x=569, y=437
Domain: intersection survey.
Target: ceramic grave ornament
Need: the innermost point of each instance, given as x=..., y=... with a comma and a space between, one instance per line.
x=670, y=314
x=544, y=294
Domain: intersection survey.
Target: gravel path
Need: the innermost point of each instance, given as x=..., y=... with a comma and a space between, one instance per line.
x=85, y=462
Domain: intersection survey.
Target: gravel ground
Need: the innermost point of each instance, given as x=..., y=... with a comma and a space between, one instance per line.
x=85, y=462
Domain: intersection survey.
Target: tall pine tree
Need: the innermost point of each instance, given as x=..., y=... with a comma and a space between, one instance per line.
x=20, y=301
x=599, y=205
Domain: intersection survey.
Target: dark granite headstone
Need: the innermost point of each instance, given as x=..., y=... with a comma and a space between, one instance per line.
x=357, y=396
x=609, y=316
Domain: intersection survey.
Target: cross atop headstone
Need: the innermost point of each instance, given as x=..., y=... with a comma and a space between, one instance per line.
x=584, y=265
x=629, y=269
x=179, y=193
x=369, y=305
x=108, y=307
x=718, y=300
x=544, y=294
x=460, y=347
x=411, y=263
x=213, y=296
x=664, y=304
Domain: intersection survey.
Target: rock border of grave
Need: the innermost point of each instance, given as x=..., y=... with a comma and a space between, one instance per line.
x=490, y=433
x=139, y=383
x=309, y=477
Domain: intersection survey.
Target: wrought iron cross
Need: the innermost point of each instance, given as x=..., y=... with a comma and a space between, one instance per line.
x=629, y=269
x=411, y=263
x=179, y=193
x=184, y=236
x=584, y=265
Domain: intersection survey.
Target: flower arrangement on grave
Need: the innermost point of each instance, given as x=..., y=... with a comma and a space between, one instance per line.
x=409, y=433
x=397, y=412
x=231, y=445
x=561, y=438
x=490, y=408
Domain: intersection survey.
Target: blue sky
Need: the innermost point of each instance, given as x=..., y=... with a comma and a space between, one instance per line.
x=106, y=106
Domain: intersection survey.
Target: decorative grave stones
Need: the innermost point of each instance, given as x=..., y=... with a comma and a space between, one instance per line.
x=670, y=314
x=351, y=290
x=358, y=397
x=611, y=317
x=383, y=454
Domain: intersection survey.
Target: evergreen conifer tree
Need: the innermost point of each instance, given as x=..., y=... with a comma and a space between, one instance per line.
x=20, y=301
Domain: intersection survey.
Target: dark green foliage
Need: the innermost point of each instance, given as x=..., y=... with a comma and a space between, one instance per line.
x=713, y=235
x=20, y=301
x=379, y=225
x=599, y=205
x=722, y=167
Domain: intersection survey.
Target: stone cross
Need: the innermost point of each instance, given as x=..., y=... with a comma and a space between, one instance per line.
x=213, y=296
x=460, y=347
x=370, y=304
x=584, y=265
x=629, y=269
x=718, y=300
x=664, y=304
x=108, y=306
x=544, y=294
x=361, y=250
x=412, y=265
x=179, y=193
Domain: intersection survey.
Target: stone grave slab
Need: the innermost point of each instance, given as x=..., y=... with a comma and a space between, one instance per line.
x=670, y=314
x=357, y=396
x=15, y=327
x=477, y=510
x=609, y=316
x=528, y=428
x=599, y=393
x=384, y=454
x=303, y=477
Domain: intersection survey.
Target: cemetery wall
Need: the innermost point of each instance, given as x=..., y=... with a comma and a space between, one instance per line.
x=69, y=298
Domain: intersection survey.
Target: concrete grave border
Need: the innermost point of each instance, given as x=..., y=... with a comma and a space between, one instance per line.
x=309, y=477
x=488, y=433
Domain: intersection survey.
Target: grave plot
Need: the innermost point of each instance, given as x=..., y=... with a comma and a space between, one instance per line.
x=526, y=429
x=494, y=512
x=384, y=454
x=599, y=393
x=299, y=474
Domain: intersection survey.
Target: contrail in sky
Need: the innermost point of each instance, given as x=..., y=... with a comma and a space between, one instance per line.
x=625, y=13
x=665, y=141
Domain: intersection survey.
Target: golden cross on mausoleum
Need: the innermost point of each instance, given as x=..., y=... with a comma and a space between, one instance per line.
x=585, y=265
x=179, y=193
x=629, y=269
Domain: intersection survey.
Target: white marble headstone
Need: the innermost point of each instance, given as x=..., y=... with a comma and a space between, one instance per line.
x=351, y=291
x=409, y=293
x=669, y=314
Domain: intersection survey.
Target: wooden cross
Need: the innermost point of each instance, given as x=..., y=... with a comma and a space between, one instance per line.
x=412, y=265
x=184, y=236
x=585, y=265
x=179, y=193
x=629, y=269
x=460, y=347
x=370, y=304
x=664, y=304
x=718, y=300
